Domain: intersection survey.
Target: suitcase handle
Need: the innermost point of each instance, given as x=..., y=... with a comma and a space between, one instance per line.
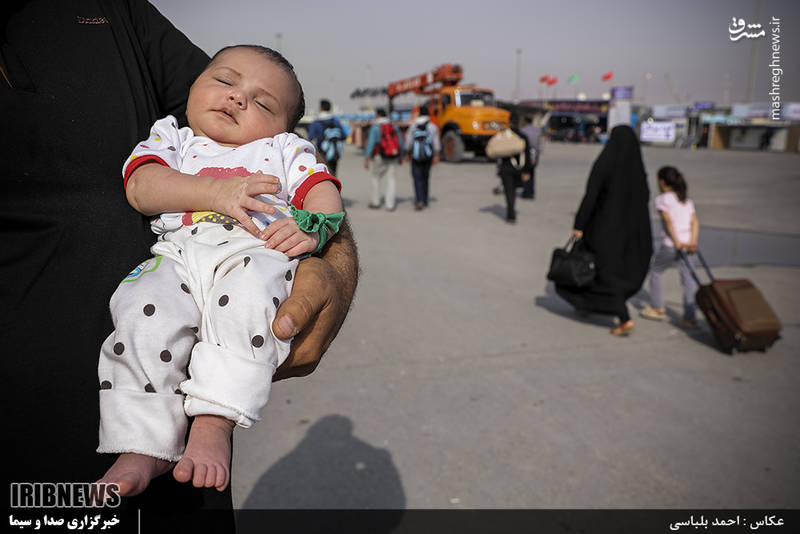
x=685, y=258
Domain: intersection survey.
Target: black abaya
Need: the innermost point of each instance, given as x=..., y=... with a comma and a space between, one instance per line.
x=615, y=221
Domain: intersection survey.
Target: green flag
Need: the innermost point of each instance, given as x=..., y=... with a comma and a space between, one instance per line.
x=573, y=78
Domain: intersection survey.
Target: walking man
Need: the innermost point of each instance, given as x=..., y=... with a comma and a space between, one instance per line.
x=422, y=140
x=385, y=150
x=328, y=136
x=532, y=131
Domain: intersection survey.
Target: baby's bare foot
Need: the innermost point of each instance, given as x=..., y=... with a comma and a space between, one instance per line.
x=132, y=472
x=207, y=459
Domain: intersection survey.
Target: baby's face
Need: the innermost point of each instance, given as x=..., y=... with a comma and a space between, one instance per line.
x=240, y=97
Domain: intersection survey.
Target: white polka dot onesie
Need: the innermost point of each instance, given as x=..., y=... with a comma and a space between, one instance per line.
x=193, y=324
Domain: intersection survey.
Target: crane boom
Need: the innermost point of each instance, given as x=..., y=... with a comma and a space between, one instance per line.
x=443, y=75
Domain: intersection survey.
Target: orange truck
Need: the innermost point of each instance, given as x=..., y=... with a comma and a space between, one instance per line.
x=465, y=114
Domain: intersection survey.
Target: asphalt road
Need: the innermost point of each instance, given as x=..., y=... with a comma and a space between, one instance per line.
x=460, y=380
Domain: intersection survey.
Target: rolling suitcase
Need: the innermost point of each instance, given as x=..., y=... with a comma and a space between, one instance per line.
x=739, y=316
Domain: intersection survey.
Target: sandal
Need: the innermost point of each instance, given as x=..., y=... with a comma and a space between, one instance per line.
x=623, y=329
x=648, y=312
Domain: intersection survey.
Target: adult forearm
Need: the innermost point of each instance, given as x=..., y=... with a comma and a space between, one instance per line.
x=341, y=253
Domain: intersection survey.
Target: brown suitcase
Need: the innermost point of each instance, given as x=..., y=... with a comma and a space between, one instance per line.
x=737, y=312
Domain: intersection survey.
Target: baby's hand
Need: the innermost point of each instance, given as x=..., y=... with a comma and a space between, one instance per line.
x=234, y=196
x=285, y=236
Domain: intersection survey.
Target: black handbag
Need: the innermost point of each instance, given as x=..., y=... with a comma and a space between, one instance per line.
x=573, y=265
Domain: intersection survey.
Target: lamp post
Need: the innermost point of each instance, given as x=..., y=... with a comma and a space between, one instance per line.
x=370, y=104
x=516, y=83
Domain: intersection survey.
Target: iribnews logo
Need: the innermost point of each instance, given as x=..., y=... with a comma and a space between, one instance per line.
x=64, y=495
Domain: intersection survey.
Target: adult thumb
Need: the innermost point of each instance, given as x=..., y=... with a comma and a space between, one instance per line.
x=296, y=312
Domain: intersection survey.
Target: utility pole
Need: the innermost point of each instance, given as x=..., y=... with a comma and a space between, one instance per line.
x=516, y=84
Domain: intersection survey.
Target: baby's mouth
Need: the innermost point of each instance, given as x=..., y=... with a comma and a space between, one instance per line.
x=227, y=114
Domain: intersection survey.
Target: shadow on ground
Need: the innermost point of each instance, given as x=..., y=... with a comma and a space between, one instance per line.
x=330, y=469
x=496, y=209
x=555, y=304
x=551, y=302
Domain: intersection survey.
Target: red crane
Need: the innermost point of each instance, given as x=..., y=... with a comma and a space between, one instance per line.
x=427, y=83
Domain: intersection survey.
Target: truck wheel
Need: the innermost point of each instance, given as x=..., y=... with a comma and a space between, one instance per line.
x=452, y=147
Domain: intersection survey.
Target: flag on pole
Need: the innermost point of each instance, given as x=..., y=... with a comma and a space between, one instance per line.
x=544, y=79
x=607, y=76
x=552, y=81
x=574, y=78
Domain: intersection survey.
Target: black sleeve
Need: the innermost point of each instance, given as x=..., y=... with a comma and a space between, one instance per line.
x=527, y=165
x=593, y=188
x=172, y=59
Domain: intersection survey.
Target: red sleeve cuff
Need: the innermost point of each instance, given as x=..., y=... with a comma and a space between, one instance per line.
x=310, y=182
x=135, y=164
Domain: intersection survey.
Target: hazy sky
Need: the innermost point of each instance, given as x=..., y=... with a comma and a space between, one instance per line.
x=339, y=45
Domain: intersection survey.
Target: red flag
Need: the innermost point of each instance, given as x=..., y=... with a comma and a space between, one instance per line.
x=544, y=79
x=552, y=81
x=607, y=76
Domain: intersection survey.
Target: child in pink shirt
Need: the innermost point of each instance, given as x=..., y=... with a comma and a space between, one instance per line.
x=680, y=230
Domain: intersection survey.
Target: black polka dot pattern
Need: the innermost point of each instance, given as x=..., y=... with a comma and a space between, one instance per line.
x=119, y=348
x=105, y=384
x=194, y=230
x=185, y=288
x=257, y=341
x=288, y=276
x=246, y=260
x=149, y=310
x=228, y=226
x=195, y=329
x=276, y=301
x=223, y=243
x=223, y=300
x=218, y=218
x=149, y=388
x=166, y=356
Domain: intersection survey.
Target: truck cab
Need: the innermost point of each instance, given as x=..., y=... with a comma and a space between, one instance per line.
x=467, y=117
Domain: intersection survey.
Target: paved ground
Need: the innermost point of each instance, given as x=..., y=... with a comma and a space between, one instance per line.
x=460, y=380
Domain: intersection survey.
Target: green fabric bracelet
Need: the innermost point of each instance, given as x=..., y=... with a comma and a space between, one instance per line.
x=325, y=224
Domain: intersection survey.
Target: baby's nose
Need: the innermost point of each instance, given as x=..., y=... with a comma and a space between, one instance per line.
x=239, y=101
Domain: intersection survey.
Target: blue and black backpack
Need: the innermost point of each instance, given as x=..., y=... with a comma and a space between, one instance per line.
x=422, y=145
x=332, y=140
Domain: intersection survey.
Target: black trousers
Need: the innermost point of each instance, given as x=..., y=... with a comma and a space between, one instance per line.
x=529, y=187
x=510, y=179
x=421, y=173
x=332, y=165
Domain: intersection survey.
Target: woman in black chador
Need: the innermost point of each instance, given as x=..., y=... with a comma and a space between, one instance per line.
x=614, y=222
